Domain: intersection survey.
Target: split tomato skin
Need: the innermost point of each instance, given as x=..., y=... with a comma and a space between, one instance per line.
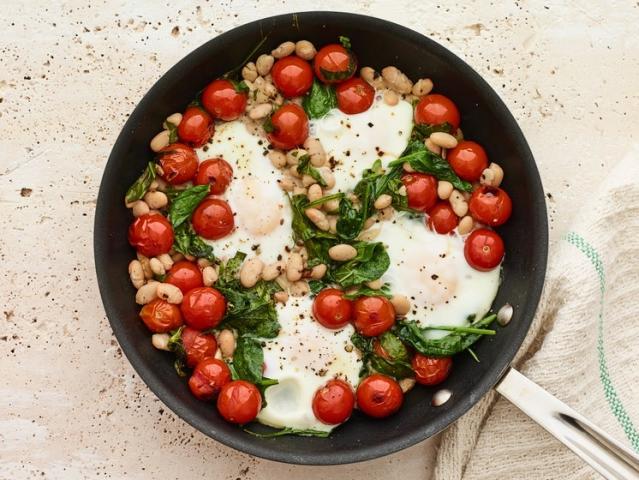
x=431, y=370
x=160, y=316
x=208, y=378
x=178, y=162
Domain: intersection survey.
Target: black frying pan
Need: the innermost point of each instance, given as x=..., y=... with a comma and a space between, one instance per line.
x=485, y=119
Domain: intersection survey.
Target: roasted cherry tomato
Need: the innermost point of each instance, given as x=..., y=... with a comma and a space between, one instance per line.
x=372, y=316
x=151, y=234
x=213, y=219
x=442, y=218
x=239, y=402
x=292, y=76
x=222, y=100
x=215, y=171
x=484, y=249
x=421, y=190
x=431, y=370
x=197, y=346
x=196, y=127
x=160, y=316
x=203, y=308
x=435, y=109
x=468, y=160
x=208, y=378
x=334, y=402
x=379, y=396
x=178, y=162
x=490, y=205
x=331, y=309
x=334, y=64
x=185, y=275
x=289, y=127
x=354, y=96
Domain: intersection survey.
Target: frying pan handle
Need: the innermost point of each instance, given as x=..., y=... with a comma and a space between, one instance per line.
x=602, y=452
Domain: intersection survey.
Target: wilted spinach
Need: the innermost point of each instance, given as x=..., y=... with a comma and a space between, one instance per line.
x=371, y=262
x=396, y=362
x=305, y=432
x=319, y=100
x=304, y=167
x=141, y=185
x=364, y=291
x=187, y=242
x=184, y=202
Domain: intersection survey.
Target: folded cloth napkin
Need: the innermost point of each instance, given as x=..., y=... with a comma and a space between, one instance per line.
x=583, y=347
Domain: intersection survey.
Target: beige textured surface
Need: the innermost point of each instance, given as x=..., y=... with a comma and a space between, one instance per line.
x=70, y=73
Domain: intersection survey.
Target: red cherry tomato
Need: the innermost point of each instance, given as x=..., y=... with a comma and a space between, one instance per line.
x=213, y=219
x=484, y=249
x=223, y=101
x=421, y=190
x=215, y=171
x=468, y=160
x=292, y=76
x=203, y=308
x=160, y=316
x=208, y=378
x=197, y=346
x=379, y=396
x=431, y=370
x=334, y=64
x=185, y=275
x=373, y=315
x=290, y=127
x=331, y=309
x=490, y=205
x=239, y=402
x=442, y=218
x=334, y=402
x=151, y=234
x=178, y=162
x=354, y=96
x=196, y=127
x=435, y=109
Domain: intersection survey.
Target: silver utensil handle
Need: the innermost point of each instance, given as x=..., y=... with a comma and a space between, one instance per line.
x=602, y=452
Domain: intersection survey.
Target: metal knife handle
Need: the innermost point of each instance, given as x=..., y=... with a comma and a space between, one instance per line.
x=602, y=452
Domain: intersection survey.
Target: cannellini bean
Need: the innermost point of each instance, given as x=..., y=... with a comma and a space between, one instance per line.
x=264, y=63
x=370, y=221
x=209, y=276
x=167, y=261
x=432, y=147
x=342, y=252
x=286, y=183
x=170, y=293
x=226, y=343
x=307, y=180
x=491, y=176
x=160, y=141
x=383, y=201
x=160, y=341
x=331, y=205
x=156, y=266
x=386, y=213
x=314, y=192
x=372, y=77
x=459, y=204
x=249, y=72
x=294, y=267
x=305, y=49
x=277, y=158
x=156, y=200
x=146, y=266
x=465, y=225
x=332, y=223
x=369, y=235
x=299, y=289
x=136, y=273
x=146, y=293
x=396, y=80
x=260, y=111
x=272, y=270
x=251, y=271
x=299, y=190
x=391, y=98
x=401, y=304
x=375, y=284
x=402, y=191
x=283, y=50
x=407, y=168
x=293, y=156
x=406, y=384
x=444, y=189
x=422, y=87
x=140, y=208
x=315, y=150
x=281, y=297
x=176, y=257
x=318, y=217
x=443, y=139
x=293, y=172
x=328, y=177
x=203, y=263
x=318, y=271
x=174, y=119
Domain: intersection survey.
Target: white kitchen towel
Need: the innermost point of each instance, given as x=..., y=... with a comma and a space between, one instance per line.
x=583, y=347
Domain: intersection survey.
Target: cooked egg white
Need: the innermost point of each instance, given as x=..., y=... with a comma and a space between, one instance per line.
x=430, y=269
x=354, y=142
x=262, y=211
x=303, y=357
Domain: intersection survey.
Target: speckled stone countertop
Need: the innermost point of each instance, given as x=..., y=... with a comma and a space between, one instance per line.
x=71, y=72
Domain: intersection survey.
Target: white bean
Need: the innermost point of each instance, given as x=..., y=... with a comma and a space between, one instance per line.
x=286, y=183
x=443, y=139
x=332, y=223
x=436, y=149
x=492, y=176
x=396, y=80
x=401, y=304
x=299, y=289
x=369, y=222
x=203, y=263
x=315, y=150
x=251, y=271
x=174, y=119
x=375, y=284
x=318, y=218
x=293, y=156
x=342, y=252
x=328, y=177
x=160, y=341
x=272, y=271
x=444, y=189
x=156, y=266
x=260, y=111
x=422, y=87
x=226, y=343
x=383, y=201
x=264, y=63
x=140, y=208
x=277, y=158
x=249, y=72
x=386, y=213
x=305, y=50
x=331, y=205
x=170, y=293
x=307, y=180
x=407, y=384
x=465, y=225
x=391, y=98
x=156, y=200
x=314, y=192
x=209, y=276
x=146, y=266
x=167, y=261
x=136, y=273
x=283, y=50
x=294, y=267
x=407, y=168
x=281, y=297
x=147, y=293
x=318, y=271
x=458, y=203
x=299, y=190
x=160, y=141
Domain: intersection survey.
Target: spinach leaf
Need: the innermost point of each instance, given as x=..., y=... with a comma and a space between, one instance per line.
x=304, y=167
x=319, y=100
x=317, y=286
x=185, y=202
x=422, y=131
x=364, y=291
x=187, y=242
x=303, y=228
x=394, y=347
x=248, y=359
x=307, y=432
x=369, y=264
x=457, y=341
x=351, y=220
x=397, y=364
x=230, y=270
x=345, y=41
x=173, y=132
x=141, y=185
x=324, y=199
